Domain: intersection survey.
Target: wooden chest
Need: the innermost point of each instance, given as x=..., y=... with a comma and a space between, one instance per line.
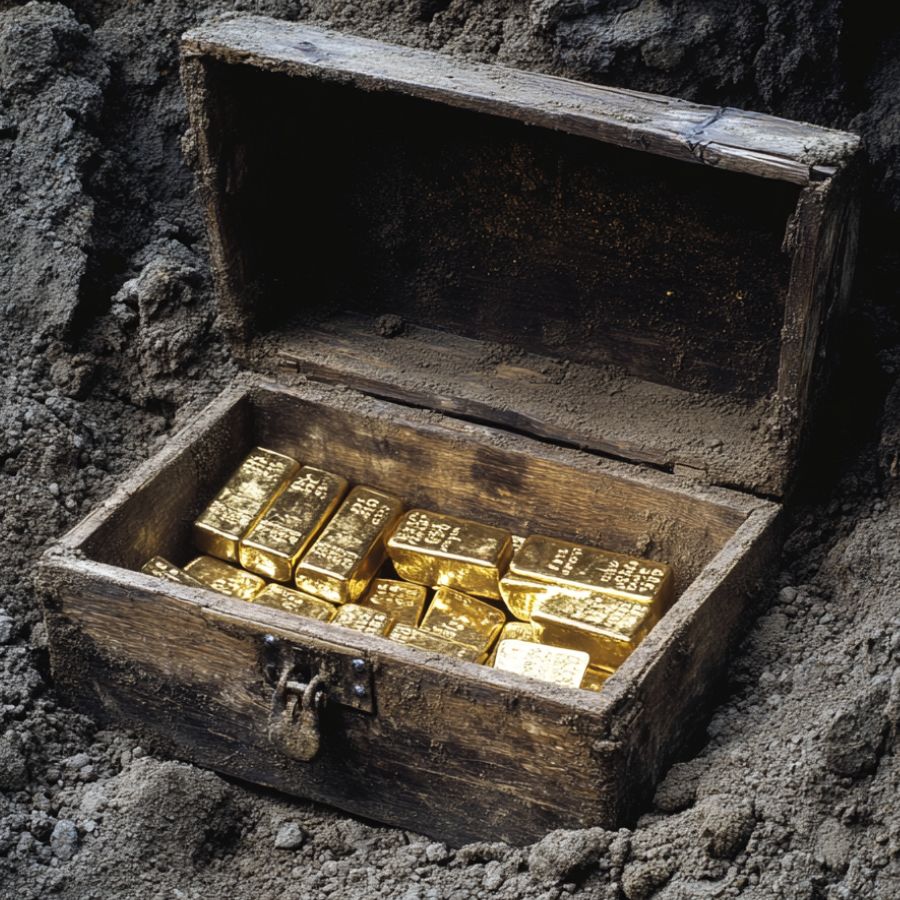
x=545, y=305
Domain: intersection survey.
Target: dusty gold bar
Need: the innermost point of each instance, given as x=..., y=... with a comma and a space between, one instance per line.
x=344, y=558
x=513, y=631
x=277, y=596
x=607, y=628
x=226, y=579
x=162, y=568
x=431, y=548
x=362, y=618
x=558, y=665
x=457, y=617
x=402, y=601
x=595, y=678
x=425, y=640
x=581, y=568
x=245, y=497
x=273, y=546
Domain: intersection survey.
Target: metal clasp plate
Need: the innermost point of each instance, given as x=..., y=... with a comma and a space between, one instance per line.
x=345, y=673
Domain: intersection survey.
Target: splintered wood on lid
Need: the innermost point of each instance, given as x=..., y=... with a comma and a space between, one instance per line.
x=647, y=280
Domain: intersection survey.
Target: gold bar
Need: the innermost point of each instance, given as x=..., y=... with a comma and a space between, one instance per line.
x=402, y=601
x=273, y=546
x=162, y=568
x=578, y=567
x=277, y=596
x=514, y=631
x=558, y=665
x=595, y=678
x=362, y=618
x=424, y=640
x=521, y=594
x=431, y=548
x=607, y=628
x=225, y=578
x=465, y=620
x=245, y=497
x=344, y=558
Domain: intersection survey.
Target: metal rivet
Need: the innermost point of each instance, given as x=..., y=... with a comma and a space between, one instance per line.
x=358, y=665
x=270, y=640
x=360, y=690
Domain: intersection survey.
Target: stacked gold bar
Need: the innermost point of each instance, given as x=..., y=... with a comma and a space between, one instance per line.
x=274, y=544
x=434, y=582
x=345, y=557
x=246, y=496
x=433, y=549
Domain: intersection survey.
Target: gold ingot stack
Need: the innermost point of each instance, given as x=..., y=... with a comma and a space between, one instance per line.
x=345, y=557
x=310, y=548
x=443, y=551
x=273, y=546
x=246, y=496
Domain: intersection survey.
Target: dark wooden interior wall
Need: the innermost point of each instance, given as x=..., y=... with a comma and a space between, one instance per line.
x=342, y=199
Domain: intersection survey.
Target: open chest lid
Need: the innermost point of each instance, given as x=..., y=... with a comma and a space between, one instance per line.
x=626, y=273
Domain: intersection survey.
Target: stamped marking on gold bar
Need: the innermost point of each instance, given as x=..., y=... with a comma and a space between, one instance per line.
x=579, y=567
x=162, y=568
x=595, y=678
x=607, y=628
x=514, y=631
x=558, y=665
x=425, y=640
x=362, y=618
x=402, y=601
x=277, y=596
x=431, y=548
x=457, y=617
x=344, y=558
x=245, y=497
x=276, y=542
x=226, y=579
x=521, y=594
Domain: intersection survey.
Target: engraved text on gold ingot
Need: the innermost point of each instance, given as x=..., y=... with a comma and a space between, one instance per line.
x=457, y=617
x=555, y=664
x=276, y=542
x=425, y=640
x=241, y=502
x=162, y=568
x=225, y=578
x=402, y=601
x=607, y=628
x=362, y=618
x=344, y=558
x=521, y=594
x=578, y=567
x=278, y=596
x=431, y=548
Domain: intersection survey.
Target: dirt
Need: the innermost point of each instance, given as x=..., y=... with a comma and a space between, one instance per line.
x=110, y=342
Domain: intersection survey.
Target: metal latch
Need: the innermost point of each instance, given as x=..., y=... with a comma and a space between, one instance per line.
x=304, y=679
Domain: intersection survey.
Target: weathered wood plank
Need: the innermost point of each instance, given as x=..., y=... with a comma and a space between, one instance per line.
x=612, y=413
x=728, y=138
x=189, y=674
